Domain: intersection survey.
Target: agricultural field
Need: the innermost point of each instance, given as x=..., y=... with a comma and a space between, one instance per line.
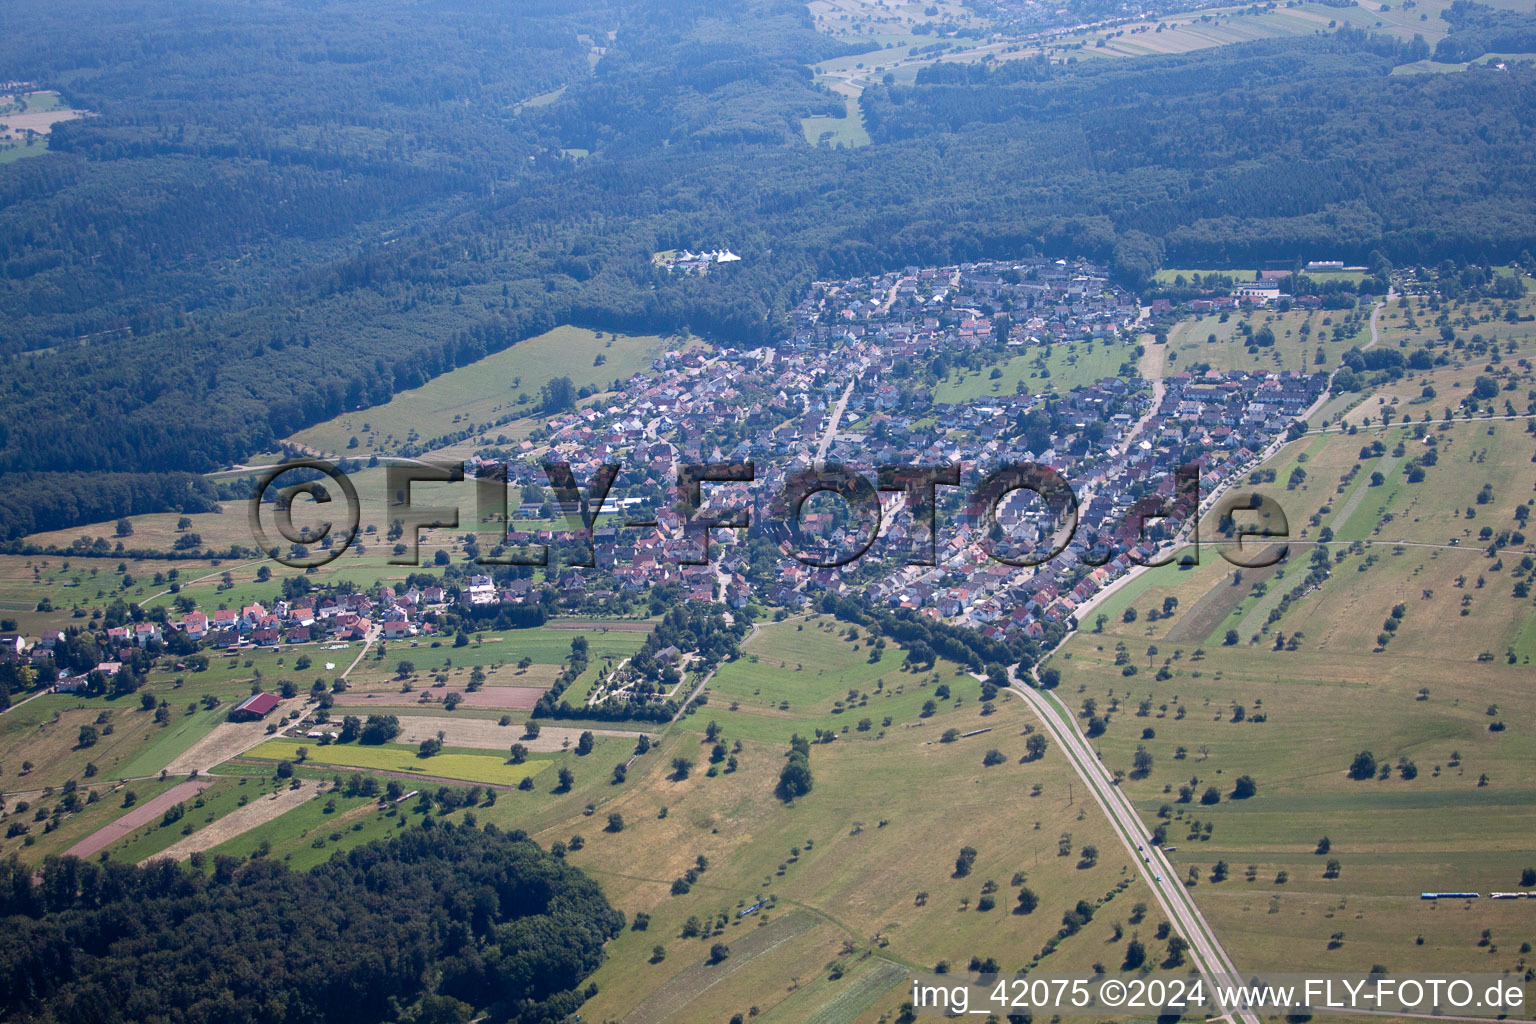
x=1222, y=341
x=395, y=758
x=1172, y=275
x=26, y=119
x=885, y=23
x=859, y=871
x=478, y=395
x=1414, y=648
x=847, y=131
x=52, y=836
x=1058, y=368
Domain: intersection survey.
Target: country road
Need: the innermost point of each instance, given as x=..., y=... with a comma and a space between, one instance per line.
x=1205, y=949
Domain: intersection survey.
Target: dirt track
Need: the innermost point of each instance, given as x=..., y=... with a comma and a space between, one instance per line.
x=226, y=740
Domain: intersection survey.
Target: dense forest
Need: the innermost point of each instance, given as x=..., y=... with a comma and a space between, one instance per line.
x=1477, y=29
x=427, y=927
x=287, y=210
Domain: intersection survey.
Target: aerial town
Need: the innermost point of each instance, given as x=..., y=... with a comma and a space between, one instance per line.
x=851, y=386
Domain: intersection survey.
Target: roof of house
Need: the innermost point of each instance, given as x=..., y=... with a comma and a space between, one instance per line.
x=258, y=703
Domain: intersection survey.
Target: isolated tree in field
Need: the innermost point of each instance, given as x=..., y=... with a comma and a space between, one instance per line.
x=1212, y=795
x=615, y=822
x=1244, y=788
x=992, y=757
x=1176, y=949
x=719, y=952
x=795, y=779
x=620, y=773
x=1141, y=763
x=964, y=861
x=1135, y=955
x=558, y=395
x=1331, y=869
x=1028, y=901
x=1528, y=877
x=531, y=731
x=404, y=669
x=566, y=779
x=87, y=736
x=519, y=754
x=1323, y=846
x=681, y=766
x=1363, y=766
x=1035, y=746
x=1231, y=639
x=584, y=744
x=452, y=701
x=1220, y=871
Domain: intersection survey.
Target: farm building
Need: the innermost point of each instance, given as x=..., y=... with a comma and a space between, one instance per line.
x=254, y=707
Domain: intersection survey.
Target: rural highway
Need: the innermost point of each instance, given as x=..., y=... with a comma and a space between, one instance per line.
x=1205, y=949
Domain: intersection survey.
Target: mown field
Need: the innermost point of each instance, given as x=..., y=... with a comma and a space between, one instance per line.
x=1415, y=648
x=860, y=870
x=397, y=759
x=1058, y=368
x=479, y=394
x=1217, y=341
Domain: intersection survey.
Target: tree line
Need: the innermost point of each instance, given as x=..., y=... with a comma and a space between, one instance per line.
x=372, y=257
x=436, y=924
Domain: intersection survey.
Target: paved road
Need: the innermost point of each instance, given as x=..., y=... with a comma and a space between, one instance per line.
x=1205, y=949
x=837, y=415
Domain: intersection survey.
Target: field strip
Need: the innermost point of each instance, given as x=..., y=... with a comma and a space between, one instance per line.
x=226, y=740
x=140, y=815
x=600, y=626
x=667, y=1003
x=236, y=822
x=1217, y=603
x=1359, y=491
x=506, y=698
x=851, y=1002
x=402, y=762
x=487, y=735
